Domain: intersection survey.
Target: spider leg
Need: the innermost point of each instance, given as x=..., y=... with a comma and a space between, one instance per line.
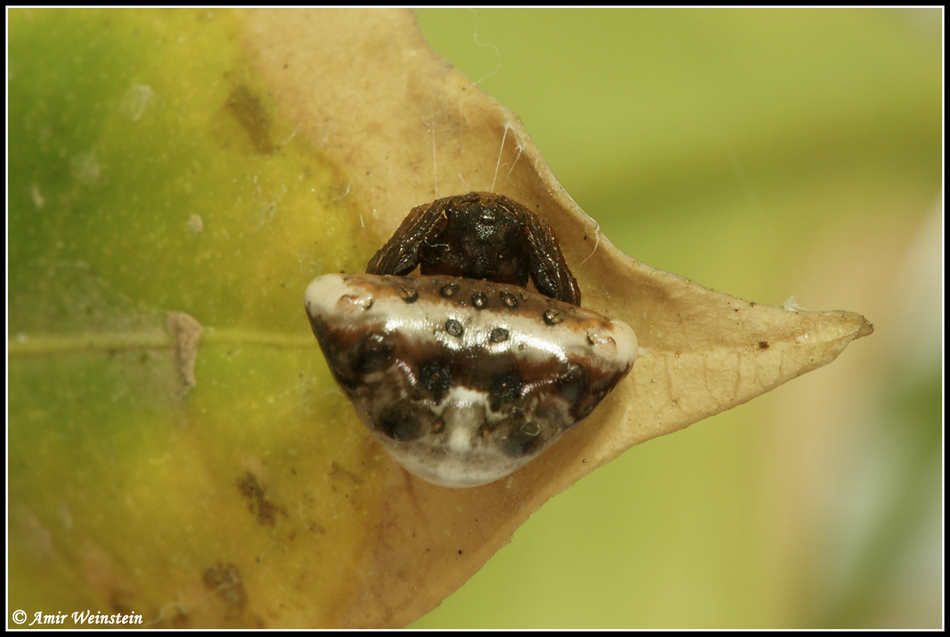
x=548, y=269
x=402, y=252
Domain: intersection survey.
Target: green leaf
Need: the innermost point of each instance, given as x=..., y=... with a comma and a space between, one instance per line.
x=152, y=181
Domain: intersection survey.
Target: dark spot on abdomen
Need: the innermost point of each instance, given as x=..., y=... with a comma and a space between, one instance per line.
x=409, y=295
x=504, y=388
x=436, y=376
x=508, y=300
x=573, y=384
x=403, y=421
x=454, y=328
x=521, y=441
x=552, y=317
x=371, y=353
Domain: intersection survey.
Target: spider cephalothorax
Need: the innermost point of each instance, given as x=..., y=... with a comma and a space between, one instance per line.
x=479, y=236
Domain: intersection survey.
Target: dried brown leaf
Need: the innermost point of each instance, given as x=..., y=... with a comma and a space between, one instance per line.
x=407, y=128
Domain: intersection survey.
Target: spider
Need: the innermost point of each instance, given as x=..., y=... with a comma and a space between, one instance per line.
x=461, y=372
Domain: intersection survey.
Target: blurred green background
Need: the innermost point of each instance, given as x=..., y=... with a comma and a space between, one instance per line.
x=768, y=154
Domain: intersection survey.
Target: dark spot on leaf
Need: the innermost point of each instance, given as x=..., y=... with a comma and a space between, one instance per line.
x=253, y=493
x=224, y=580
x=252, y=116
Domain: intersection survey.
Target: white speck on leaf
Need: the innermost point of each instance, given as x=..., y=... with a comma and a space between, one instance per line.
x=791, y=304
x=38, y=199
x=136, y=100
x=186, y=330
x=85, y=168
